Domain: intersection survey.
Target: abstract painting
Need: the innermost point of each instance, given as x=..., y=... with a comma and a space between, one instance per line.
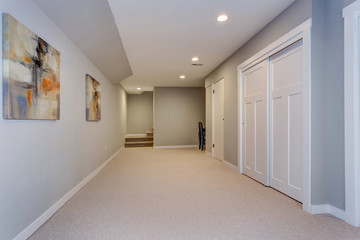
x=31, y=74
x=93, y=97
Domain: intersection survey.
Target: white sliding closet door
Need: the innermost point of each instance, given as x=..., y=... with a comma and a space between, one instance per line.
x=286, y=123
x=255, y=119
x=218, y=96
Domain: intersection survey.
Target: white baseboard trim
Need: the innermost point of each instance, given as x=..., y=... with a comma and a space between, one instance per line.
x=337, y=212
x=27, y=232
x=176, y=146
x=319, y=209
x=229, y=165
x=328, y=209
x=136, y=135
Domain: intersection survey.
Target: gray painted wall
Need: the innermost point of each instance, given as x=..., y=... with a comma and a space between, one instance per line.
x=335, y=103
x=176, y=115
x=40, y=160
x=347, y=2
x=328, y=163
x=139, y=113
x=293, y=16
x=319, y=176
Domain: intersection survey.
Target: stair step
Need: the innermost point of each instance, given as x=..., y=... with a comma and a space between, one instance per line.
x=149, y=133
x=139, y=144
x=139, y=139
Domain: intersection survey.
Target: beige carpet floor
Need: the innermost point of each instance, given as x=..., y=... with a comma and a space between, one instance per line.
x=183, y=194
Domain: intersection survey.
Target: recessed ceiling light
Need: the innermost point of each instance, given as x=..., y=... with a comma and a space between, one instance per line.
x=195, y=59
x=222, y=18
x=138, y=88
x=182, y=76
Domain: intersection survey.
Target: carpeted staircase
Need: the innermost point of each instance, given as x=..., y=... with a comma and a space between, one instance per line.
x=140, y=141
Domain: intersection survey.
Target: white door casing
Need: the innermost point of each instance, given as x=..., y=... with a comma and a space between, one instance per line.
x=286, y=126
x=218, y=120
x=255, y=122
x=351, y=15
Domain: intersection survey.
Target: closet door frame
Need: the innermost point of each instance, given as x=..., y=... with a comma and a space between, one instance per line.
x=303, y=32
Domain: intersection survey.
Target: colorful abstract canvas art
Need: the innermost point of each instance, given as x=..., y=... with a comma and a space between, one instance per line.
x=93, y=97
x=31, y=74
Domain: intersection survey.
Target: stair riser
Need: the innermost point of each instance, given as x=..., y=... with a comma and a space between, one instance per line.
x=138, y=139
x=139, y=145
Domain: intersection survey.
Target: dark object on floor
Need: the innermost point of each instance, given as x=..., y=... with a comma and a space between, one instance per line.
x=202, y=137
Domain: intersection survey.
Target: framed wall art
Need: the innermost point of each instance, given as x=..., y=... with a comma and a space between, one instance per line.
x=93, y=99
x=31, y=74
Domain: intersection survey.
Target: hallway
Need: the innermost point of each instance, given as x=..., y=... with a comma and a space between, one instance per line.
x=146, y=193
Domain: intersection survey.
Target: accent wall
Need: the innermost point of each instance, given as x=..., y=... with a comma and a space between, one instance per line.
x=177, y=111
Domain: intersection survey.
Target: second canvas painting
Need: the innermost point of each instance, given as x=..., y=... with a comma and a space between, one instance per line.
x=93, y=97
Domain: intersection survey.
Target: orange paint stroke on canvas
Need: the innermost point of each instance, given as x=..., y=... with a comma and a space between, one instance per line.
x=47, y=84
x=27, y=59
x=28, y=97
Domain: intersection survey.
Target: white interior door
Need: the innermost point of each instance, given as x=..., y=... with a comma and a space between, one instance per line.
x=255, y=122
x=218, y=136
x=209, y=118
x=286, y=121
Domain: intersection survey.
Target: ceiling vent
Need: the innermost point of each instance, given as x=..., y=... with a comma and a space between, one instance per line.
x=197, y=64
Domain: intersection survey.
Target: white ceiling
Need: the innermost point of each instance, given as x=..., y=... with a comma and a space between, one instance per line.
x=161, y=36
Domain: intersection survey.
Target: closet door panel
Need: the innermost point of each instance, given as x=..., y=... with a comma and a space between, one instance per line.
x=286, y=126
x=255, y=122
